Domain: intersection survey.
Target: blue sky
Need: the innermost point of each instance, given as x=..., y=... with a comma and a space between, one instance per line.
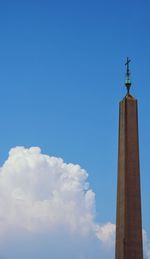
x=61, y=79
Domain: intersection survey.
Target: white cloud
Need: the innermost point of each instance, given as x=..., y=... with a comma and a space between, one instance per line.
x=38, y=191
x=106, y=234
x=42, y=195
x=146, y=243
x=47, y=210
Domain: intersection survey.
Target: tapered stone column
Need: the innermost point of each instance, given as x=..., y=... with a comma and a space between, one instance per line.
x=129, y=222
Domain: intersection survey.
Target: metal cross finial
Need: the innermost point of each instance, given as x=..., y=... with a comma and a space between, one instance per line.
x=128, y=80
x=127, y=63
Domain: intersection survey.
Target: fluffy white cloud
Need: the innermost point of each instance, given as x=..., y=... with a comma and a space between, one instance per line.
x=46, y=201
x=106, y=234
x=146, y=243
x=38, y=191
x=47, y=210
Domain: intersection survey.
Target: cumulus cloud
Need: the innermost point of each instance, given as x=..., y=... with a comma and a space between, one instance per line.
x=106, y=234
x=38, y=191
x=146, y=243
x=47, y=210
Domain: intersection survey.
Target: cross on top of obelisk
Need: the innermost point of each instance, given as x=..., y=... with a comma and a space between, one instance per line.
x=128, y=79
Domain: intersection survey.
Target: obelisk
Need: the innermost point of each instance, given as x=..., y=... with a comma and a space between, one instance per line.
x=129, y=222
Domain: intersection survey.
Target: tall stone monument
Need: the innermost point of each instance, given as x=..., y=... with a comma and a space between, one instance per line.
x=129, y=222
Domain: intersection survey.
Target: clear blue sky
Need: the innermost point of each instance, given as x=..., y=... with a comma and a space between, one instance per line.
x=61, y=78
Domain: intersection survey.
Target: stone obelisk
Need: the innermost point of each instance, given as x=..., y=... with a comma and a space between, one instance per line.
x=129, y=222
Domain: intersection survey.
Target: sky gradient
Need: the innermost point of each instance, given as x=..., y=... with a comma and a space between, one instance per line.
x=61, y=78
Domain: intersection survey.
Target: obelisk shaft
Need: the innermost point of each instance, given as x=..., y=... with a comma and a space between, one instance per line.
x=129, y=223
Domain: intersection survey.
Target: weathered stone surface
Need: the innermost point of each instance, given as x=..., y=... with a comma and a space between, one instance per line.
x=129, y=223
